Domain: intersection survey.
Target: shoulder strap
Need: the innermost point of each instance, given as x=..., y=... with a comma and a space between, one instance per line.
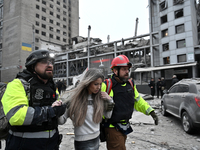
x=26, y=85
x=131, y=83
x=108, y=85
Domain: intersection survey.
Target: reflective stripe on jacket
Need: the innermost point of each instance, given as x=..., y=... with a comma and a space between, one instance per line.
x=40, y=134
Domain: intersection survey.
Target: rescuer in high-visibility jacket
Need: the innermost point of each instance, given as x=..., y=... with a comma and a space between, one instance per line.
x=126, y=99
x=32, y=108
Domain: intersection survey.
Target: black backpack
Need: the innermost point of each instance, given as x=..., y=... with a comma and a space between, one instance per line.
x=4, y=126
x=3, y=120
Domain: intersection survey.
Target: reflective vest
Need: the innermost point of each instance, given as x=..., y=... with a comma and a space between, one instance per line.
x=123, y=97
x=40, y=95
x=136, y=101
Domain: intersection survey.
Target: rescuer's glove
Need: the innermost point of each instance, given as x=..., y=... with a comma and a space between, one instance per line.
x=155, y=117
x=59, y=110
x=108, y=105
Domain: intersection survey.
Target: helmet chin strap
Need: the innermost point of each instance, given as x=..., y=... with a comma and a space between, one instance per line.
x=40, y=75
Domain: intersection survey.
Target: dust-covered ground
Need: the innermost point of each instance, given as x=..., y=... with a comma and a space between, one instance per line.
x=167, y=135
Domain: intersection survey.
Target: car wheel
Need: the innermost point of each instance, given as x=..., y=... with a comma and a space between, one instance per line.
x=186, y=122
x=163, y=110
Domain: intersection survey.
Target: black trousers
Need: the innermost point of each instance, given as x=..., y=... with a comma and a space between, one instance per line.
x=159, y=92
x=152, y=91
x=19, y=143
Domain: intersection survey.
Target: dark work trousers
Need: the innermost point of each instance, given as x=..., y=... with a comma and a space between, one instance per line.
x=162, y=93
x=87, y=145
x=19, y=143
x=152, y=91
x=159, y=92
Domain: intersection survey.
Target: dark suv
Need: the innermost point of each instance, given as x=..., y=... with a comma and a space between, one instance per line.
x=183, y=101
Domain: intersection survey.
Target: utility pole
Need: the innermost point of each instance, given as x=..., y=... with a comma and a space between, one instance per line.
x=33, y=47
x=136, y=24
x=89, y=28
x=108, y=38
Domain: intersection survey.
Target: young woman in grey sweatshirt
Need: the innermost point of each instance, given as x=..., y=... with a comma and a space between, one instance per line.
x=87, y=106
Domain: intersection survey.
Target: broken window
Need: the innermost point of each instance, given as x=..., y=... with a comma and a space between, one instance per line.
x=50, y=5
x=57, y=37
x=163, y=19
x=50, y=28
x=180, y=43
x=178, y=13
x=181, y=58
x=164, y=33
x=43, y=26
x=37, y=23
x=37, y=16
x=58, y=23
x=58, y=31
x=51, y=21
x=36, y=40
x=43, y=18
x=51, y=36
x=166, y=60
x=43, y=33
x=44, y=9
x=51, y=13
x=36, y=31
x=37, y=7
x=180, y=28
x=44, y=2
x=163, y=5
x=176, y=2
x=165, y=47
x=36, y=48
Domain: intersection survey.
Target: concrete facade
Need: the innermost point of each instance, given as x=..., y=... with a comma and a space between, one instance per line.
x=176, y=24
x=32, y=25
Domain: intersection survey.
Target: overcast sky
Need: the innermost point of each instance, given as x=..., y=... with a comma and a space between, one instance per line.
x=113, y=17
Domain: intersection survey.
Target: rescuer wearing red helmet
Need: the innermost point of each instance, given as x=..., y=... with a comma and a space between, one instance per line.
x=126, y=98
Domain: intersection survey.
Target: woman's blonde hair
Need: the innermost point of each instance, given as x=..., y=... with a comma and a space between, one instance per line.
x=79, y=99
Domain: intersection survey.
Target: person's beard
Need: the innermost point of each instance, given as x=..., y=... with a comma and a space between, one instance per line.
x=125, y=79
x=46, y=75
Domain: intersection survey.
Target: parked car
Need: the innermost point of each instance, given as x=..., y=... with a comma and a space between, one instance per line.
x=183, y=101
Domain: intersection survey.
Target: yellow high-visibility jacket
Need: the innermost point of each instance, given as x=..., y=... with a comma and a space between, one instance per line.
x=15, y=102
x=18, y=112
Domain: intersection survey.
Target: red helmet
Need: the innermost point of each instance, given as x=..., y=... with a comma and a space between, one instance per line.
x=120, y=60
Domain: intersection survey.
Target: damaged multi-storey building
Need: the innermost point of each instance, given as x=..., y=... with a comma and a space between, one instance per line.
x=171, y=47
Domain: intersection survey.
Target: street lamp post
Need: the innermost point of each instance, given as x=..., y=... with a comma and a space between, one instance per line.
x=89, y=28
x=33, y=47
